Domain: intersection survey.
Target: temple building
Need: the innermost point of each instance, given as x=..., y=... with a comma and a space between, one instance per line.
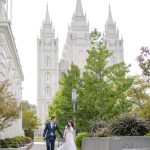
x=78, y=41
x=113, y=41
x=10, y=68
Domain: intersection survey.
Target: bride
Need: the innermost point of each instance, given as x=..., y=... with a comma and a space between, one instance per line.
x=69, y=135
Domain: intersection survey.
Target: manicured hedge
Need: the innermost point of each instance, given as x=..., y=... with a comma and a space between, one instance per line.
x=15, y=142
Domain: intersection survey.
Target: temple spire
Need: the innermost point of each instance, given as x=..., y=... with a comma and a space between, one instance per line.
x=2, y=10
x=110, y=19
x=47, y=18
x=79, y=9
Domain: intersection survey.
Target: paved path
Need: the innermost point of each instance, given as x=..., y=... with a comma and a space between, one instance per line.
x=40, y=146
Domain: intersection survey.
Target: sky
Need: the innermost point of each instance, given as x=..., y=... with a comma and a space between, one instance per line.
x=132, y=18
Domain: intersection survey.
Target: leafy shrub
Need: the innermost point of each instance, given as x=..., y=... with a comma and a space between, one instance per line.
x=5, y=143
x=18, y=141
x=102, y=132
x=24, y=140
x=79, y=138
x=129, y=125
x=15, y=143
x=148, y=121
x=99, y=129
x=148, y=134
x=29, y=133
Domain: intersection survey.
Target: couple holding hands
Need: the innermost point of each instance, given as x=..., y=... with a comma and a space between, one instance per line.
x=50, y=136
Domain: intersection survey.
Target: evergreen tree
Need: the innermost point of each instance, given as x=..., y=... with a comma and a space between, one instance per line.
x=101, y=89
x=102, y=93
x=62, y=105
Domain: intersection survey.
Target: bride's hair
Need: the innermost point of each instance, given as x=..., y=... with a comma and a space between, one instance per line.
x=72, y=124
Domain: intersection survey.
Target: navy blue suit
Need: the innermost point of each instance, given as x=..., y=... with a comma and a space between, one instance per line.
x=50, y=136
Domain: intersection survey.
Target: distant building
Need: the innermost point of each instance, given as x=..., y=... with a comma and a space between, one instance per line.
x=10, y=68
x=78, y=41
x=112, y=40
x=47, y=56
x=49, y=69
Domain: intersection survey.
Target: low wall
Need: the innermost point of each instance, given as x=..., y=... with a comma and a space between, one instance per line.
x=138, y=149
x=116, y=143
x=21, y=148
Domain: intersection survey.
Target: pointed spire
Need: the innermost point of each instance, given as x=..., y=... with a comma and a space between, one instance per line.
x=110, y=19
x=2, y=10
x=47, y=18
x=79, y=9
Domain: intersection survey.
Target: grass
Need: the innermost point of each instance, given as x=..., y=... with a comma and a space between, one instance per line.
x=38, y=139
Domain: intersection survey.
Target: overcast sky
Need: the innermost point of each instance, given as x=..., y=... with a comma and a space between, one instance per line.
x=132, y=18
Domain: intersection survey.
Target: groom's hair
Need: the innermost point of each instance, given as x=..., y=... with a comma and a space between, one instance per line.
x=53, y=117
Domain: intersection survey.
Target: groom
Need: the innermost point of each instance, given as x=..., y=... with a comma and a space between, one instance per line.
x=49, y=133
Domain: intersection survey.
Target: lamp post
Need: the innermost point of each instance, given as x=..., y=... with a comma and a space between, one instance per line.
x=74, y=100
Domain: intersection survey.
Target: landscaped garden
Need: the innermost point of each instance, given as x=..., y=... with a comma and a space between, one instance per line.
x=113, y=107
x=15, y=142
x=124, y=126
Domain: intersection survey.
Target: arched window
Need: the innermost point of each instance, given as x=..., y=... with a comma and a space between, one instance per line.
x=47, y=62
x=47, y=77
x=47, y=91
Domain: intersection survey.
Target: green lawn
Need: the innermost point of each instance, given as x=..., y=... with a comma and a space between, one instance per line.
x=38, y=139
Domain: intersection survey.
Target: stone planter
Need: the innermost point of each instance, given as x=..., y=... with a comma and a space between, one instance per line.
x=27, y=147
x=116, y=143
x=138, y=149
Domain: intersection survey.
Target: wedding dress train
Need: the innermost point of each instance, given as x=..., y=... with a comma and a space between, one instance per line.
x=69, y=143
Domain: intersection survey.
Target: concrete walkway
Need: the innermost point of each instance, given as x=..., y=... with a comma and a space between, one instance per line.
x=40, y=146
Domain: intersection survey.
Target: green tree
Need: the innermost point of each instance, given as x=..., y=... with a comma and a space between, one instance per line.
x=139, y=92
x=62, y=105
x=9, y=108
x=101, y=89
x=26, y=105
x=144, y=62
x=102, y=93
x=144, y=112
x=29, y=118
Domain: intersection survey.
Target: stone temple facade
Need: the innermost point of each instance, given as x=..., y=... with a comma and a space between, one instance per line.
x=77, y=42
x=48, y=71
x=75, y=49
x=10, y=68
x=112, y=40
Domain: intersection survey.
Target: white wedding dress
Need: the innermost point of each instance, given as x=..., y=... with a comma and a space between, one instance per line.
x=69, y=143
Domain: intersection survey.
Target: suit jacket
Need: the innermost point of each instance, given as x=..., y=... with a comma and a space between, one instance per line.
x=49, y=132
